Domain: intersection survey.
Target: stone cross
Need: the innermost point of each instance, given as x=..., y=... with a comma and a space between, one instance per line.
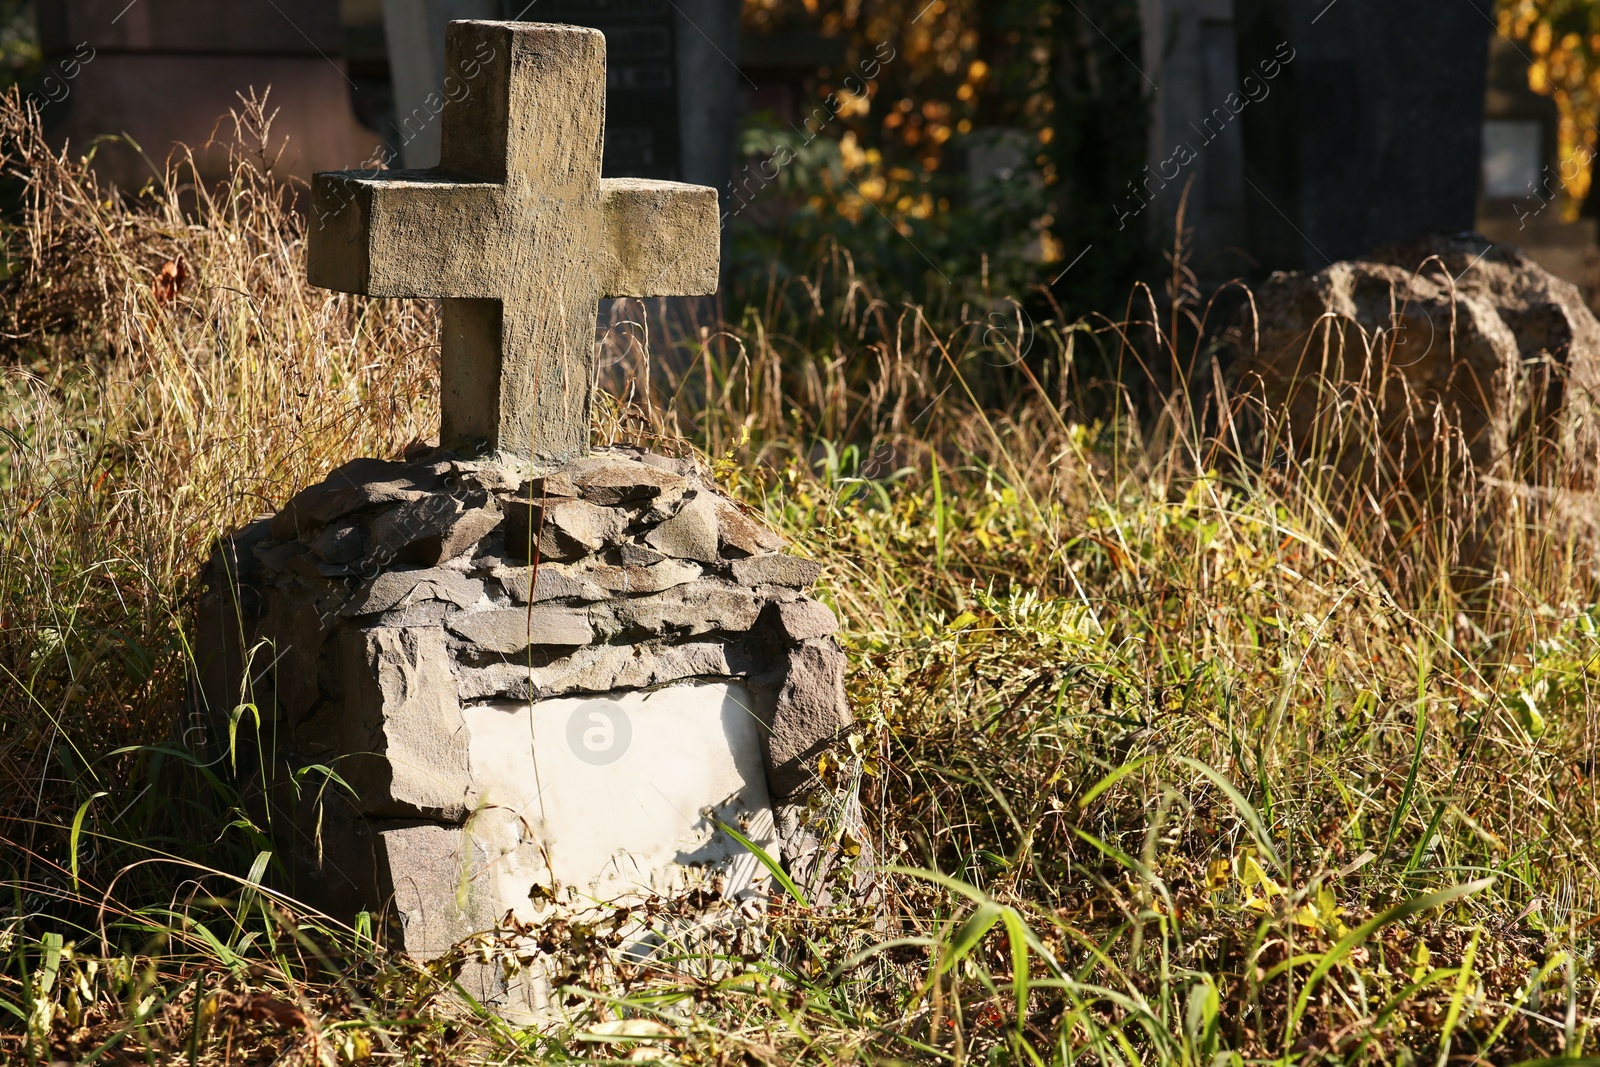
x=519, y=234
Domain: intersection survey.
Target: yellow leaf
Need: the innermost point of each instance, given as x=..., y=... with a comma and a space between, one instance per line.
x=631, y=1029
x=1251, y=874
x=1217, y=873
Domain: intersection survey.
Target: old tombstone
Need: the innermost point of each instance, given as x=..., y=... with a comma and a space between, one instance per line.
x=519, y=233
x=1428, y=357
x=165, y=71
x=1311, y=132
x=1372, y=133
x=552, y=678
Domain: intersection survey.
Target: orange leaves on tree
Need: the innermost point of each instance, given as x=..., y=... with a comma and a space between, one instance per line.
x=1563, y=39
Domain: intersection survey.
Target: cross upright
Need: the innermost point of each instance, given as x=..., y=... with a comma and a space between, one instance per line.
x=519, y=234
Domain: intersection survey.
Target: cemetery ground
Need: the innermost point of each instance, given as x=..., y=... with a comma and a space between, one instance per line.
x=1173, y=746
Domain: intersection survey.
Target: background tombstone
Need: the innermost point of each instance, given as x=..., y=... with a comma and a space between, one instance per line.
x=1370, y=134
x=165, y=72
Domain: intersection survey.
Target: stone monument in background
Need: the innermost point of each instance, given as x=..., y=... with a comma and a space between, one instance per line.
x=165, y=71
x=513, y=678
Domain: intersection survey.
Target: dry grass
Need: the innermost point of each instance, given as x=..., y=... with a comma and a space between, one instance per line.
x=1185, y=748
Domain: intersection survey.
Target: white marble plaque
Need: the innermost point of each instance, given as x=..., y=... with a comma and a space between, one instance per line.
x=602, y=799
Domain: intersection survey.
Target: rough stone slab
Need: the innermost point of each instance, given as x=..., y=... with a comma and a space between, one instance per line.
x=430, y=531
x=402, y=726
x=281, y=556
x=637, y=581
x=686, y=467
x=738, y=535
x=551, y=581
x=628, y=482
x=355, y=486
x=508, y=630
x=562, y=529
x=545, y=486
x=294, y=630
x=392, y=589
x=456, y=536
x=686, y=611
x=339, y=542
x=491, y=477
x=775, y=569
x=597, y=669
x=691, y=533
x=424, y=866
x=809, y=712
x=800, y=620
x=632, y=555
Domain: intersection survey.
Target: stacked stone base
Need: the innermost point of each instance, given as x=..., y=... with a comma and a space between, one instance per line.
x=440, y=651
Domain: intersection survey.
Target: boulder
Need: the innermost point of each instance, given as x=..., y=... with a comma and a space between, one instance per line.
x=1448, y=339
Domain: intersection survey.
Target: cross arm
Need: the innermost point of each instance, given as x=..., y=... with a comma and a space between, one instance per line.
x=402, y=233
x=661, y=238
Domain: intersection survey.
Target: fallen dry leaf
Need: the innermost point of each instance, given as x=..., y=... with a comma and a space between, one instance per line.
x=169, y=280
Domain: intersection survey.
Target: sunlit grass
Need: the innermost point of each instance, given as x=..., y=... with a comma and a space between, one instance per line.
x=1175, y=744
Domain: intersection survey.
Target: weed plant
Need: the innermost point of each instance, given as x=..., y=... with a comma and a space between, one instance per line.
x=1176, y=744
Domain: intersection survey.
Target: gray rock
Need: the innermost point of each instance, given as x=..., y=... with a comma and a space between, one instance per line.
x=545, y=486
x=422, y=865
x=775, y=569
x=800, y=620
x=293, y=632
x=633, y=555
x=597, y=669
x=624, y=482
x=551, y=581
x=456, y=536
x=509, y=630
x=636, y=581
x=805, y=713
x=339, y=542
x=561, y=529
x=489, y=476
x=429, y=614
x=685, y=467
x=402, y=725
x=738, y=535
x=688, y=610
x=393, y=589
x=691, y=533
x=432, y=530
x=356, y=486
x=279, y=557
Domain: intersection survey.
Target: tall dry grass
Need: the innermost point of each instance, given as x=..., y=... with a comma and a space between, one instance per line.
x=1186, y=747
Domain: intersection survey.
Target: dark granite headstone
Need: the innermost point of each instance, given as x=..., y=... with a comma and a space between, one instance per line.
x=1373, y=133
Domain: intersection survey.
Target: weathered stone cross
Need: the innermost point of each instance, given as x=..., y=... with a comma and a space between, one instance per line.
x=519, y=233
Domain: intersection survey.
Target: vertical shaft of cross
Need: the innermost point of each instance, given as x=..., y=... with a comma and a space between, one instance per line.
x=519, y=371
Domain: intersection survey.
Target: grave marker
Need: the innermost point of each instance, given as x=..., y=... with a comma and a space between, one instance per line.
x=550, y=682
x=519, y=234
